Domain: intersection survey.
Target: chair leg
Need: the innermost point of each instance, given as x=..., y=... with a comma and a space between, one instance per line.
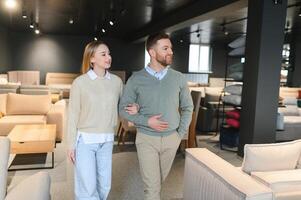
x=120, y=136
x=119, y=128
x=124, y=135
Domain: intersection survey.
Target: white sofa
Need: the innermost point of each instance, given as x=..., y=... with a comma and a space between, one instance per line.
x=268, y=172
x=35, y=187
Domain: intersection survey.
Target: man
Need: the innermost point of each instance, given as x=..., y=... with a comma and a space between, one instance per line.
x=164, y=116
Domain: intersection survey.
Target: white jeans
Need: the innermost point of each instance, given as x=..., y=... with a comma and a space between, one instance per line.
x=93, y=170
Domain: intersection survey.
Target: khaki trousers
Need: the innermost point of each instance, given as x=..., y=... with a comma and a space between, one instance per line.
x=155, y=155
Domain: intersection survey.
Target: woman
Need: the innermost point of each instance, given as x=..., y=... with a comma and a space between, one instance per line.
x=91, y=122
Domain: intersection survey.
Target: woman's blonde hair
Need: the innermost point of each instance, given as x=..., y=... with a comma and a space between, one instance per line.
x=89, y=52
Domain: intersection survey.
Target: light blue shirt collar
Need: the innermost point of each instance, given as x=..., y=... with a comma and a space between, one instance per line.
x=93, y=75
x=159, y=75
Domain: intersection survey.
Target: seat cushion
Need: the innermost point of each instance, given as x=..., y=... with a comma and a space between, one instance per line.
x=280, y=181
x=8, y=122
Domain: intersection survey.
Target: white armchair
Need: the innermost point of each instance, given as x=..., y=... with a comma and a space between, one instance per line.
x=268, y=172
x=35, y=187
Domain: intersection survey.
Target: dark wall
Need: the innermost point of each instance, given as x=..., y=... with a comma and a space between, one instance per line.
x=295, y=76
x=57, y=53
x=181, y=56
x=5, y=56
x=220, y=59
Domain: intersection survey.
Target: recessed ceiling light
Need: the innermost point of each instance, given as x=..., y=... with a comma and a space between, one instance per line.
x=71, y=21
x=111, y=23
x=37, y=31
x=10, y=4
x=31, y=25
x=103, y=30
x=95, y=38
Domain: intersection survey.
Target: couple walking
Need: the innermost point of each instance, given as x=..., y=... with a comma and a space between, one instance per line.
x=156, y=99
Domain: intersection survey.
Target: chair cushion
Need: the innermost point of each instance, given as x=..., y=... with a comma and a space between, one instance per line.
x=18, y=104
x=280, y=181
x=3, y=98
x=271, y=157
x=8, y=122
x=232, y=99
x=234, y=89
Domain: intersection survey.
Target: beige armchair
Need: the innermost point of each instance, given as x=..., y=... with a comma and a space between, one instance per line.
x=35, y=187
x=30, y=109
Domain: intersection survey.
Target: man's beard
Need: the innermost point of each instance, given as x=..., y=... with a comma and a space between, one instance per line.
x=164, y=60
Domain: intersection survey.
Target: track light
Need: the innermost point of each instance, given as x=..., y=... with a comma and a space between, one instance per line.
x=24, y=16
x=71, y=21
x=37, y=30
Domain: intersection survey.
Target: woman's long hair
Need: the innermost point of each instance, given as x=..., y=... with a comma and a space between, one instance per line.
x=89, y=52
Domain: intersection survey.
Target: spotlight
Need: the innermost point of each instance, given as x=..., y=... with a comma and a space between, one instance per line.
x=181, y=41
x=225, y=30
x=37, y=30
x=31, y=25
x=103, y=30
x=24, y=15
x=95, y=38
x=299, y=14
x=10, y=4
x=111, y=22
x=71, y=21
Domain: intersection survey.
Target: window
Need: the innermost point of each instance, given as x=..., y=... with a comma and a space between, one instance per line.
x=199, y=58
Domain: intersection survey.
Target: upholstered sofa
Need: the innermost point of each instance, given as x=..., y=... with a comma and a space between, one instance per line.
x=35, y=187
x=30, y=109
x=268, y=172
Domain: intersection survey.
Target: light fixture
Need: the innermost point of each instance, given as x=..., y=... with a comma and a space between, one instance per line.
x=37, y=30
x=31, y=21
x=71, y=21
x=111, y=22
x=299, y=14
x=24, y=16
x=181, y=41
x=103, y=30
x=225, y=30
x=10, y=4
x=95, y=38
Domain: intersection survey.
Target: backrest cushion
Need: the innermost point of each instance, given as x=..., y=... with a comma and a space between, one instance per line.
x=271, y=157
x=3, y=98
x=18, y=104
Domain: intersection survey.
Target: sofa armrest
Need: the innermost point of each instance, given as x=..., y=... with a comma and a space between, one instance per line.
x=207, y=176
x=35, y=187
x=56, y=115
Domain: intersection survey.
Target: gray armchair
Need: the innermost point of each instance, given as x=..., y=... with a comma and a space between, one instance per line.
x=35, y=187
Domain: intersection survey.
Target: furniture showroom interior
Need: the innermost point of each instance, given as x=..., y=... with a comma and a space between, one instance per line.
x=241, y=62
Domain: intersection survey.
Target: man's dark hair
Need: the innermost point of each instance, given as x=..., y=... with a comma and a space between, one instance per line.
x=153, y=38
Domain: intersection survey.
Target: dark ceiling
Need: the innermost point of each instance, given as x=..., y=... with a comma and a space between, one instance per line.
x=134, y=19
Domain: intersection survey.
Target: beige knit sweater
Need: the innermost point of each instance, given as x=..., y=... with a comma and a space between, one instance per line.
x=93, y=106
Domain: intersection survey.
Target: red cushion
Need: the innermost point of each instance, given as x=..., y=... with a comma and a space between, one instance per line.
x=299, y=94
x=233, y=122
x=233, y=114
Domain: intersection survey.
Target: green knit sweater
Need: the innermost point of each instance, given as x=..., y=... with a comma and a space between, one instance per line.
x=169, y=97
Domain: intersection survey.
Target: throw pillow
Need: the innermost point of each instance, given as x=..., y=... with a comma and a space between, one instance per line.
x=271, y=157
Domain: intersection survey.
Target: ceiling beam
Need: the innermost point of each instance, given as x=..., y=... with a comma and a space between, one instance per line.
x=186, y=16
